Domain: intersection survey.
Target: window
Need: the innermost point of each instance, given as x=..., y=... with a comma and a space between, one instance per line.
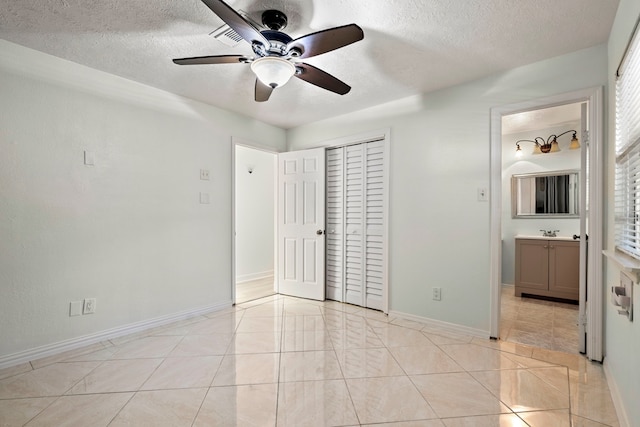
x=627, y=181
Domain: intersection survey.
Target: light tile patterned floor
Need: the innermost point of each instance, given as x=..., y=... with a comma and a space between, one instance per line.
x=283, y=361
x=537, y=322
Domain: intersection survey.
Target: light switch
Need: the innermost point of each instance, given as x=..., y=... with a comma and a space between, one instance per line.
x=75, y=308
x=89, y=158
x=204, y=174
x=204, y=198
x=483, y=194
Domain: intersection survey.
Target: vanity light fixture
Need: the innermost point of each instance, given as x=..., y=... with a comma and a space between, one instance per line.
x=550, y=145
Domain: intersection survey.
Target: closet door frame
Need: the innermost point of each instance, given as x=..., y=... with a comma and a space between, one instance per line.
x=372, y=136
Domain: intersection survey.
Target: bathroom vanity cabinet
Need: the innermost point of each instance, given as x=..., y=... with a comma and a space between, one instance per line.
x=548, y=267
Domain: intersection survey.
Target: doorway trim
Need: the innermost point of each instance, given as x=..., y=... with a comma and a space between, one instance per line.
x=235, y=142
x=594, y=307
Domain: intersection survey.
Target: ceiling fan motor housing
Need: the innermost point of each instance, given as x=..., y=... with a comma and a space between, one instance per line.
x=277, y=44
x=274, y=19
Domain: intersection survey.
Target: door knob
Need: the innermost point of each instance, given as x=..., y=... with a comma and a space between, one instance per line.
x=319, y=232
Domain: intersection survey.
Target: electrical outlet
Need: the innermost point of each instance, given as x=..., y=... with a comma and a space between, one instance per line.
x=89, y=306
x=204, y=174
x=437, y=294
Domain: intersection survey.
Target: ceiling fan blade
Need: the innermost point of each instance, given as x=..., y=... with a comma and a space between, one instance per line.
x=216, y=59
x=236, y=22
x=263, y=91
x=326, y=40
x=316, y=76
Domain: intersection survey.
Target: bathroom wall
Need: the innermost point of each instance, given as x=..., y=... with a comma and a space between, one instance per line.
x=530, y=163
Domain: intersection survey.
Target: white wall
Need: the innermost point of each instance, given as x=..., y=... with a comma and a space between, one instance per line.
x=129, y=231
x=439, y=231
x=255, y=204
x=529, y=163
x=622, y=338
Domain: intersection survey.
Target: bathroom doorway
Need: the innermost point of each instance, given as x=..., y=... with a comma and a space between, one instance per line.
x=590, y=316
x=540, y=200
x=254, y=221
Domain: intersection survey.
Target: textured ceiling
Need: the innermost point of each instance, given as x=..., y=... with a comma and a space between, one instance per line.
x=410, y=46
x=541, y=119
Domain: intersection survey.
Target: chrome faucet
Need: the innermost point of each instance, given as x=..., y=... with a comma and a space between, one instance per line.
x=549, y=233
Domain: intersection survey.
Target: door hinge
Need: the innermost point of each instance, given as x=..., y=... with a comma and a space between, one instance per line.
x=585, y=136
x=582, y=319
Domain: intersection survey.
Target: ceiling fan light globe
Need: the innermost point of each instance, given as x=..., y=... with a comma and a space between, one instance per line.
x=273, y=71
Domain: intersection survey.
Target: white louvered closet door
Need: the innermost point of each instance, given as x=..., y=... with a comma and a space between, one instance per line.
x=335, y=224
x=356, y=198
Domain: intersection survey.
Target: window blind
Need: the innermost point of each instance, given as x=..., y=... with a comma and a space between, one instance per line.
x=627, y=174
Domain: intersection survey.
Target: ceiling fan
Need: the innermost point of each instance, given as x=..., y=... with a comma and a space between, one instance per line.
x=278, y=56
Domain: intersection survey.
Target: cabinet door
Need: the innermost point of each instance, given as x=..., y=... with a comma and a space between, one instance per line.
x=532, y=264
x=564, y=269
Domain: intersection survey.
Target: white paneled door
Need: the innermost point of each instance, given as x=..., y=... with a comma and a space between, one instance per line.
x=356, y=232
x=301, y=223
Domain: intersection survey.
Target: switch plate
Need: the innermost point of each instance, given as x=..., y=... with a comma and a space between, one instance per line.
x=89, y=306
x=204, y=198
x=204, y=174
x=437, y=294
x=75, y=308
x=483, y=194
x=89, y=158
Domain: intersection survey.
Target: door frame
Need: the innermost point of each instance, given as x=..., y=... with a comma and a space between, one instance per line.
x=235, y=142
x=362, y=138
x=596, y=192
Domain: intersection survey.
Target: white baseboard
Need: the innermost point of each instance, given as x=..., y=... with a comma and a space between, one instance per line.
x=616, y=396
x=74, y=343
x=253, y=276
x=445, y=326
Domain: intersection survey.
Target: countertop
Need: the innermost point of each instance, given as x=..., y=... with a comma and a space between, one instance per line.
x=563, y=238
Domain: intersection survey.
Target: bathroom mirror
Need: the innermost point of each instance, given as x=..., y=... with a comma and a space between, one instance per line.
x=552, y=194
